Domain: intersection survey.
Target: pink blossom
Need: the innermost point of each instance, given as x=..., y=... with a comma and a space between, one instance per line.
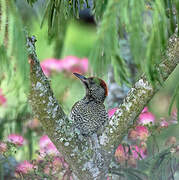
x=45, y=70
x=146, y=118
x=24, y=167
x=50, y=149
x=47, y=147
x=33, y=124
x=2, y=98
x=74, y=64
x=174, y=113
x=54, y=166
x=49, y=65
x=69, y=64
x=111, y=112
x=137, y=152
x=16, y=139
x=3, y=147
x=164, y=123
x=48, y=169
x=121, y=153
x=44, y=140
x=142, y=132
x=145, y=109
x=133, y=134
x=174, y=119
x=57, y=163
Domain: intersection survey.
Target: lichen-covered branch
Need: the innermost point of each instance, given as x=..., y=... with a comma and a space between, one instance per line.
x=77, y=152
x=52, y=117
x=139, y=95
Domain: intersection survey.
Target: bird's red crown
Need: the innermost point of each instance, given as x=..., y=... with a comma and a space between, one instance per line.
x=104, y=85
x=101, y=83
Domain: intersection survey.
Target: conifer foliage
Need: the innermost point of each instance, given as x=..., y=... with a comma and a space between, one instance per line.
x=13, y=54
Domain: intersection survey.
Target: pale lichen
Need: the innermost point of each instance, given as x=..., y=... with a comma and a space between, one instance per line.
x=91, y=168
x=66, y=144
x=143, y=84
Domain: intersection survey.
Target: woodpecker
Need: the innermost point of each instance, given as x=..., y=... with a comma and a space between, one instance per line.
x=89, y=114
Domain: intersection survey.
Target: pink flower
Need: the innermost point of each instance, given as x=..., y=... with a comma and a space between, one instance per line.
x=145, y=109
x=16, y=139
x=142, y=132
x=146, y=118
x=53, y=167
x=50, y=149
x=174, y=113
x=57, y=163
x=174, y=119
x=69, y=64
x=47, y=147
x=48, y=169
x=49, y=65
x=2, y=98
x=137, y=152
x=24, y=167
x=74, y=64
x=164, y=123
x=133, y=134
x=3, y=147
x=33, y=124
x=111, y=112
x=44, y=140
x=121, y=153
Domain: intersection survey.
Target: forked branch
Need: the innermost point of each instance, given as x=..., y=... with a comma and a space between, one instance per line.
x=56, y=124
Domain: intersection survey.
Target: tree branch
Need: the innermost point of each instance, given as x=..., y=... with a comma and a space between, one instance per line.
x=139, y=95
x=53, y=119
x=59, y=128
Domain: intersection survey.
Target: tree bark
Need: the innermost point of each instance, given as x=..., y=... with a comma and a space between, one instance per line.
x=76, y=151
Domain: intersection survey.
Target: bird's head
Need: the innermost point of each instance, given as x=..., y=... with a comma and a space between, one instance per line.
x=96, y=88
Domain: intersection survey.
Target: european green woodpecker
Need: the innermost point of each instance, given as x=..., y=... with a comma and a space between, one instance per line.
x=89, y=114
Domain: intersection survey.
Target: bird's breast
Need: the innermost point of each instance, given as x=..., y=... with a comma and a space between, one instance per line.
x=88, y=117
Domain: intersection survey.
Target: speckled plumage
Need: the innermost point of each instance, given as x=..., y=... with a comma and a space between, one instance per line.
x=89, y=114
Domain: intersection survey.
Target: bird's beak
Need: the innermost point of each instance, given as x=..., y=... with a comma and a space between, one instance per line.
x=82, y=78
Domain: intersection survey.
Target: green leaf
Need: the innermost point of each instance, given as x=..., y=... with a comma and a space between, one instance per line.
x=99, y=7
x=31, y=2
x=174, y=97
x=13, y=47
x=106, y=49
x=3, y=10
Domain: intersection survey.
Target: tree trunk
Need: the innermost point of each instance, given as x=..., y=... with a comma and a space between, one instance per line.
x=77, y=152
